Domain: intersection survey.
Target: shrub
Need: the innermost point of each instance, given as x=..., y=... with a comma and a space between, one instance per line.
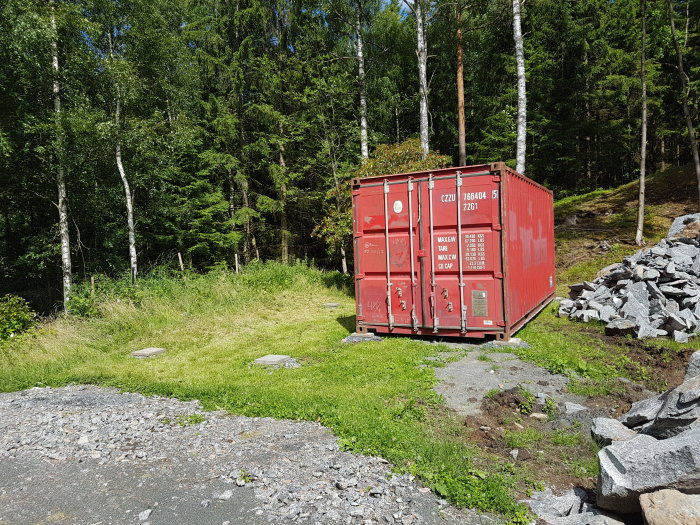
x=15, y=316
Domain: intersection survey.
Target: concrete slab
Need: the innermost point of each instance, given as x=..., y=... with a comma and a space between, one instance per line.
x=332, y=305
x=272, y=360
x=361, y=338
x=148, y=352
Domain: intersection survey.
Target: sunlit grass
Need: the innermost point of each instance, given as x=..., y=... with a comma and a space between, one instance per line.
x=377, y=397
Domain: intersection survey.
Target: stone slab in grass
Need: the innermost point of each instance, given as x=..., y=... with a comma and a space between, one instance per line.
x=356, y=337
x=147, y=352
x=277, y=360
x=331, y=305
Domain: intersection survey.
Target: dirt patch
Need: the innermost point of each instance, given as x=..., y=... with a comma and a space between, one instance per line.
x=665, y=367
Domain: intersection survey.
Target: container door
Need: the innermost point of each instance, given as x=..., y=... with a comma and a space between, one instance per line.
x=388, y=290
x=464, y=287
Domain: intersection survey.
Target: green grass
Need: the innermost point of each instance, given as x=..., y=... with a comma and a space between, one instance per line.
x=522, y=438
x=377, y=397
x=569, y=205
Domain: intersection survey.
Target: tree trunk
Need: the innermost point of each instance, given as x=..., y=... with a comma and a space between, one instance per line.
x=338, y=204
x=232, y=206
x=662, y=152
x=460, y=92
x=521, y=143
x=344, y=260
x=589, y=171
x=684, y=84
x=639, y=238
x=284, y=226
x=127, y=194
x=247, y=226
x=364, y=146
x=66, y=265
x=422, y=52
x=396, y=115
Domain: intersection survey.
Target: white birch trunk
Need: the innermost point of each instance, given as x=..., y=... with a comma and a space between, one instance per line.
x=284, y=225
x=422, y=53
x=128, y=196
x=684, y=83
x=521, y=142
x=639, y=238
x=66, y=265
x=364, y=146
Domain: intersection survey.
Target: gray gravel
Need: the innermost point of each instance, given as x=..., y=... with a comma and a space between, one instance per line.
x=464, y=382
x=89, y=455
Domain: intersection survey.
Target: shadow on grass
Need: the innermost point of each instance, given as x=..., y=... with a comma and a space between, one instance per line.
x=349, y=322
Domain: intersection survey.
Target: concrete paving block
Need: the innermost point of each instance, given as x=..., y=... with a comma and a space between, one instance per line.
x=272, y=360
x=147, y=352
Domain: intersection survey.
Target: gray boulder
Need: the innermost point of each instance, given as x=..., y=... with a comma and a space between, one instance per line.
x=693, y=366
x=643, y=411
x=607, y=431
x=620, y=327
x=594, y=517
x=682, y=223
x=644, y=464
x=670, y=507
x=680, y=409
x=546, y=504
x=570, y=508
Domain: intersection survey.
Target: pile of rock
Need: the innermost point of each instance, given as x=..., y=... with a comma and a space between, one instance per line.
x=651, y=457
x=653, y=293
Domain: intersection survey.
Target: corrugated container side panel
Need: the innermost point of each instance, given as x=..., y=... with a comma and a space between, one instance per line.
x=528, y=225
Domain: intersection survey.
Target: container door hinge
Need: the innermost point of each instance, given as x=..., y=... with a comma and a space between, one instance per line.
x=497, y=227
x=500, y=323
x=498, y=275
x=359, y=276
x=496, y=178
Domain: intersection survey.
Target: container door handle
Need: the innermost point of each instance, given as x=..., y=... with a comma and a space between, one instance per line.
x=462, y=307
x=390, y=315
x=409, y=189
x=433, y=284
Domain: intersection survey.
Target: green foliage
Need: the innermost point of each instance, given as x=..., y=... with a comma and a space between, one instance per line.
x=401, y=158
x=239, y=125
x=550, y=408
x=528, y=400
x=15, y=316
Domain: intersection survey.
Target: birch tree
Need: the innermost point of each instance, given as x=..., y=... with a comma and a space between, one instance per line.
x=521, y=140
x=361, y=81
x=128, y=195
x=639, y=238
x=419, y=11
x=66, y=266
x=684, y=95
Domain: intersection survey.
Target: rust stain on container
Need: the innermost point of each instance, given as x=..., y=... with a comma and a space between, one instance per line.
x=466, y=252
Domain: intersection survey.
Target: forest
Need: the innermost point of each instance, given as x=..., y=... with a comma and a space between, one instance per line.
x=138, y=133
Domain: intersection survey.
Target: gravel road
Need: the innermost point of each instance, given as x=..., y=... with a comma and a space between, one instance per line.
x=92, y=455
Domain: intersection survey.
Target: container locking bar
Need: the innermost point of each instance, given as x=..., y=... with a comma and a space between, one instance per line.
x=462, y=306
x=433, y=283
x=390, y=315
x=414, y=319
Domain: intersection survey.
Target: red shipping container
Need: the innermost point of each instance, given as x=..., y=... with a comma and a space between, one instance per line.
x=466, y=252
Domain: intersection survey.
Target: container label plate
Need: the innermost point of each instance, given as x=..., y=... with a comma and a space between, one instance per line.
x=480, y=304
